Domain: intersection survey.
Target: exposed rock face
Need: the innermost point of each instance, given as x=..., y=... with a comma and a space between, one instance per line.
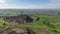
x=19, y=19
x=1, y=30
x=43, y=31
x=37, y=19
x=25, y=31
x=28, y=19
x=18, y=31
x=14, y=31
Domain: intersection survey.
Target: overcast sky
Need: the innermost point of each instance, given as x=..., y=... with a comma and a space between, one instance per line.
x=30, y=4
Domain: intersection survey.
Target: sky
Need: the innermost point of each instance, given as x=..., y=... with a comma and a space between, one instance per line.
x=30, y=4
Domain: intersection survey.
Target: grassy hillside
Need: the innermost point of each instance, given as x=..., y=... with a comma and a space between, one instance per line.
x=52, y=19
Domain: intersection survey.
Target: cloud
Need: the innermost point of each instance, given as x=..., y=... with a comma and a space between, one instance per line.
x=2, y=1
x=55, y=1
x=4, y=5
x=52, y=4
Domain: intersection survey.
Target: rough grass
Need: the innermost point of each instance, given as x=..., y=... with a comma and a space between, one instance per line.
x=55, y=20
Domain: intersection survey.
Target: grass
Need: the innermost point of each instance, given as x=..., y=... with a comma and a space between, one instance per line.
x=55, y=20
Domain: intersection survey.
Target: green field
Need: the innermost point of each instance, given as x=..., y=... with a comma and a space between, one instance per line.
x=53, y=19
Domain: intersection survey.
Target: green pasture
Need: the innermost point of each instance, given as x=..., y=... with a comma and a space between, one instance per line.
x=52, y=19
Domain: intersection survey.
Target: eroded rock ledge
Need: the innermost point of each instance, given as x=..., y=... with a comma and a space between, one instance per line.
x=24, y=31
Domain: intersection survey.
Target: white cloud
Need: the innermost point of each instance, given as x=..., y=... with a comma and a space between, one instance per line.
x=53, y=4
x=2, y=1
x=55, y=1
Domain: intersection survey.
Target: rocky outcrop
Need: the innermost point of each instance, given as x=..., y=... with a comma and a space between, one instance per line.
x=43, y=31
x=25, y=31
x=19, y=19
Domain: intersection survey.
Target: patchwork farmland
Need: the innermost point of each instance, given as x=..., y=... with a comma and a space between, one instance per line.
x=29, y=21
